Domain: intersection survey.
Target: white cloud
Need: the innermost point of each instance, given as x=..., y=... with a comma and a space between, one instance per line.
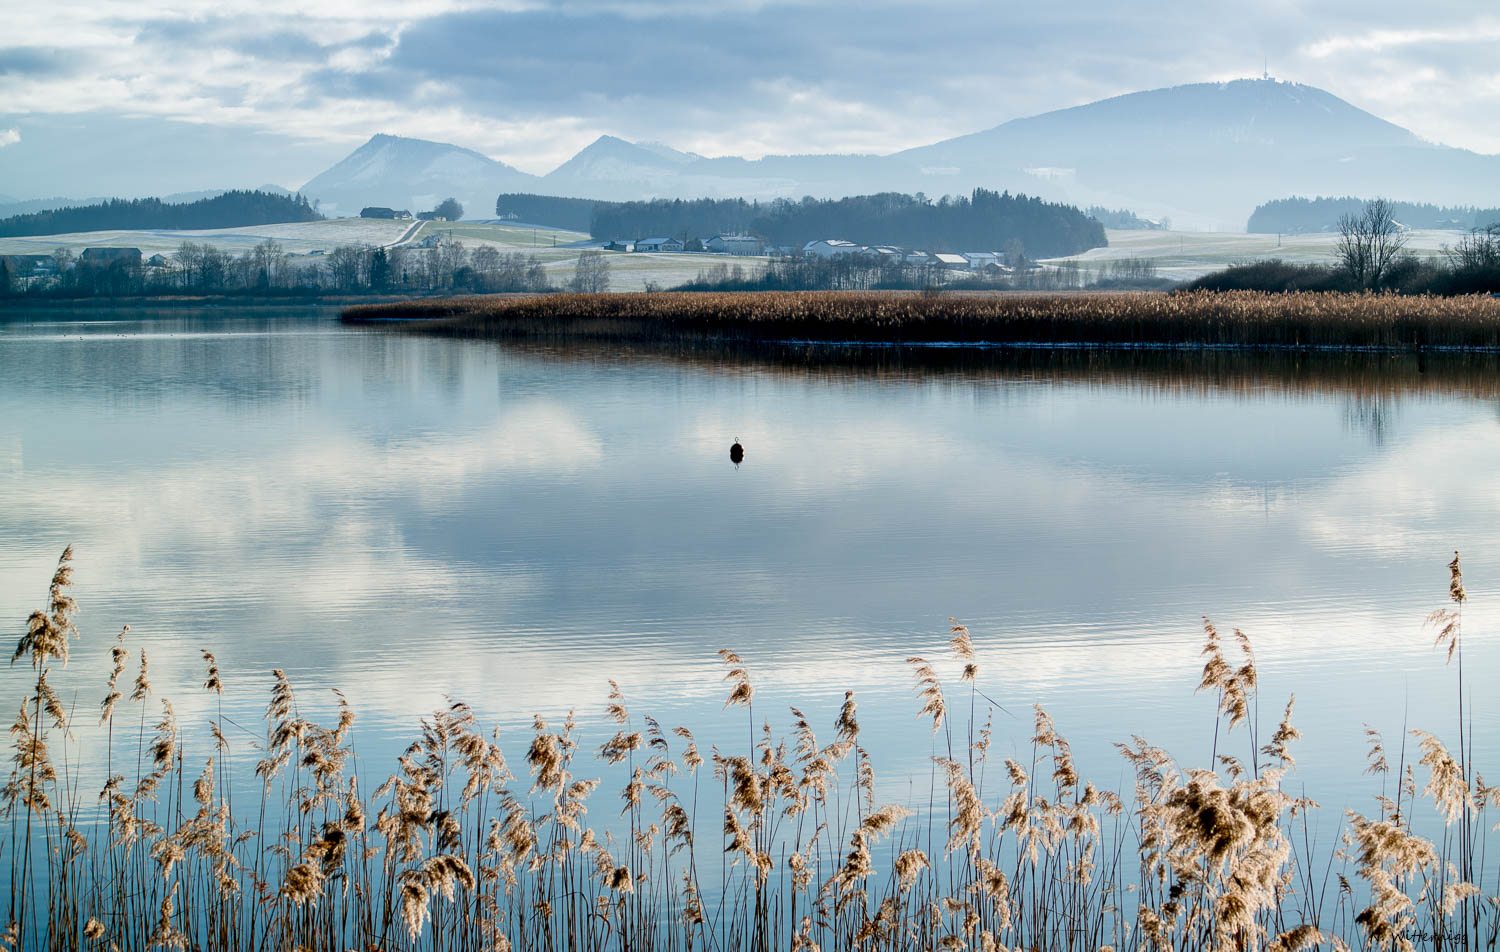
x=9, y=137
x=531, y=81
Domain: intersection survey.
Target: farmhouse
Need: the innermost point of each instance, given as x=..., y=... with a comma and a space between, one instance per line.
x=378, y=211
x=15, y=268
x=110, y=258
x=658, y=244
x=980, y=260
x=951, y=261
x=158, y=261
x=735, y=245
x=831, y=247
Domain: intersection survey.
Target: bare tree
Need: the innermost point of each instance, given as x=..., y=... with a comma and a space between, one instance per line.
x=1369, y=243
x=1476, y=251
x=347, y=265
x=268, y=261
x=591, y=274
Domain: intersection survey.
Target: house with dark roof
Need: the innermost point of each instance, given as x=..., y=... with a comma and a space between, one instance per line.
x=735, y=245
x=125, y=258
x=658, y=244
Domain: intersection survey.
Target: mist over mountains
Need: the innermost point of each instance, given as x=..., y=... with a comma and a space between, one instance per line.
x=1203, y=154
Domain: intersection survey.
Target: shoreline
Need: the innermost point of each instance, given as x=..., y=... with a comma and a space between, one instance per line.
x=1330, y=322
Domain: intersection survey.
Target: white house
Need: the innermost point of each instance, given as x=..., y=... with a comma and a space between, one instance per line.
x=979, y=260
x=831, y=247
x=735, y=245
x=951, y=261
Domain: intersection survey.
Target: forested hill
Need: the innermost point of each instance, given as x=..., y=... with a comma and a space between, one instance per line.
x=1289, y=216
x=985, y=220
x=229, y=210
x=574, y=214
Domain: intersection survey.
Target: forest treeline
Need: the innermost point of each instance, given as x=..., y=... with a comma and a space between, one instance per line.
x=574, y=214
x=983, y=220
x=233, y=209
x=1291, y=216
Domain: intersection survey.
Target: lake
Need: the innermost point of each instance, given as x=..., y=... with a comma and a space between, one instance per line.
x=412, y=520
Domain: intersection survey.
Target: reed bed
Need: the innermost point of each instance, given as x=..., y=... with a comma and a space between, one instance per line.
x=1235, y=319
x=771, y=842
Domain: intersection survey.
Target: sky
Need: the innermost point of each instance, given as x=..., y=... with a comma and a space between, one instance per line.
x=132, y=98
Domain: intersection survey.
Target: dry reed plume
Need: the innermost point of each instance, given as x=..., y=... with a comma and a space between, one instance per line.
x=1236, y=319
x=765, y=843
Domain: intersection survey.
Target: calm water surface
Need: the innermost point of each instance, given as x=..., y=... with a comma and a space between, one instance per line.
x=410, y=520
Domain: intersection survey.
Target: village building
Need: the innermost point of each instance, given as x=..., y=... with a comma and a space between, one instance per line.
x=378, y=211
x=16, y=270
x=735, y=245
x=980, y=260
x=128, y=258
x=158, y=261
x=658, y=244
x=831, y=247
x=951, y=261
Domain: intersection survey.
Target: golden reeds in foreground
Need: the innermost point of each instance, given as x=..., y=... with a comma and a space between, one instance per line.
x=778, y=844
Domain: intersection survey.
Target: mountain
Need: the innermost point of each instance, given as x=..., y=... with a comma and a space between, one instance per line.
x=414, y=174
x=1204, y=154
x=1214, y=151
x=611, y=168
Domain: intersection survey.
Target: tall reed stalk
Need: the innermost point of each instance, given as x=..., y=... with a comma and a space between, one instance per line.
x=456, y=851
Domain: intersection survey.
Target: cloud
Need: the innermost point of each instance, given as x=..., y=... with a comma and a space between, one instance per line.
x=532, y=81
x=9, y=137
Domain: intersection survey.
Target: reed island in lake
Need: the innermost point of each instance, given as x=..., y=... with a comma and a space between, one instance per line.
x=1230, y=319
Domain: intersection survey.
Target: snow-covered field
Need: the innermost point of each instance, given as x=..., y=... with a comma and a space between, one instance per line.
x=505, y=237
x=295, y=237
x=558, y=249
x=1185, y=255
x=629, y=271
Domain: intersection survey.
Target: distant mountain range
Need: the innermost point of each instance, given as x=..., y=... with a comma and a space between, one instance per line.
x=1204, y=154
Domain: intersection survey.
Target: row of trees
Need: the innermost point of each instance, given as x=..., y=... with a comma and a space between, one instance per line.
x=267, y=269
x=233, y=209
x=1290, y=216
x=983, y=220
x=870, y=272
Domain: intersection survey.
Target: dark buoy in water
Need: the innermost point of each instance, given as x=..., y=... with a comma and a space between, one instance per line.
x=736, y=453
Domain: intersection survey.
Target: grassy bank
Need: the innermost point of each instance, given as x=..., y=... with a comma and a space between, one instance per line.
x=1198, y=319
x=757, y=842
